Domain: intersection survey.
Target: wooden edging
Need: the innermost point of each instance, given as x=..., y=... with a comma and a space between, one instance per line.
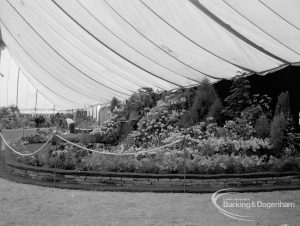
x=146, y=175
x=134, y=182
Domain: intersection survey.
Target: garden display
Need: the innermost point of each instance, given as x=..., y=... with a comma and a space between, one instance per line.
x=190, y=131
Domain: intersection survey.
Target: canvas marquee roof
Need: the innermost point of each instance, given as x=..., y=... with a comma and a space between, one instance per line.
x=84, y=52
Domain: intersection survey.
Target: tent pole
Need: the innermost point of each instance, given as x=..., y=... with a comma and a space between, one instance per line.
x=36, y=94
x=17, y=97
x=7, y=80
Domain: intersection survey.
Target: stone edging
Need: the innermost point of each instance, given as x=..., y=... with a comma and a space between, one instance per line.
x=156, y=182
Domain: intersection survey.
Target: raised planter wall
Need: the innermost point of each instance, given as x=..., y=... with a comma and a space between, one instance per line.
x=157, y=182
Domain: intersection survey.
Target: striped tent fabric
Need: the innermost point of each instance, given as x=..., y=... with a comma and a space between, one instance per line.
x=84, y=52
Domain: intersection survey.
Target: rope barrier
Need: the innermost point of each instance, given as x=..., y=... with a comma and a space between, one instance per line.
x=87, y=149
x=25, y=154
x=120, y=154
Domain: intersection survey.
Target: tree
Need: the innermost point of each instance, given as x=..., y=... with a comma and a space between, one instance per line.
x=277, y=134
x=145, y=98
x=283, y=104
x=262, y=126
x=114, y=103
x=215, y=110
x=206, y=103
x=283, y=108
x=239, y=98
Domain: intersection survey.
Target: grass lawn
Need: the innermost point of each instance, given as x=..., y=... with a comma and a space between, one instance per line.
x=32, y=205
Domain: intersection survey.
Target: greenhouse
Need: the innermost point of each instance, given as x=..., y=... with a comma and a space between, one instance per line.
x=151, y=95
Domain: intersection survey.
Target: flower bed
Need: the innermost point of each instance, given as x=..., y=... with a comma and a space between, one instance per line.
x=165, y=161
x=246, y=141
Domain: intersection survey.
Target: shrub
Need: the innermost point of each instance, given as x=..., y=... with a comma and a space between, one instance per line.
x=277, y=134
x=262, y=126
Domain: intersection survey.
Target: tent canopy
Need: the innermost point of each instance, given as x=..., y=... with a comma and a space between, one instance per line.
x=85, y=52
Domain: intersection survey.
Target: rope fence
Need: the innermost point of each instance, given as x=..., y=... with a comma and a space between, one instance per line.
x=152, y=151
x=25, y=154
x=146, y=152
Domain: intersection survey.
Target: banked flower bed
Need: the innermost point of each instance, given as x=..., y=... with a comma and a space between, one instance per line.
x=157, y=182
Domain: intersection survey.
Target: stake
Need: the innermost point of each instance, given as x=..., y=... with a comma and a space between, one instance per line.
x=55, y=165
x=184, y=160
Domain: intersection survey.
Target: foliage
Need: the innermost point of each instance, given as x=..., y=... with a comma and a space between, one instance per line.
x=86, y=123
x=155, y=125
x=283, y=107
x=33, y=139
x=215, y=110
x=293, y=144
x=66, y=157
x=143, y=99
x=74, y=138
x=239, y=128
x=262, y=126
x=205, y=104
x=239, y=98
x=39, y=120
x=285, y=164
x=260, y=106
x=283, y=104
x=10, y=117
x=59, y=121
x=277, y=134
x=166, y=162
x=115, y=103
x=209, y=139
x=109, y=133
